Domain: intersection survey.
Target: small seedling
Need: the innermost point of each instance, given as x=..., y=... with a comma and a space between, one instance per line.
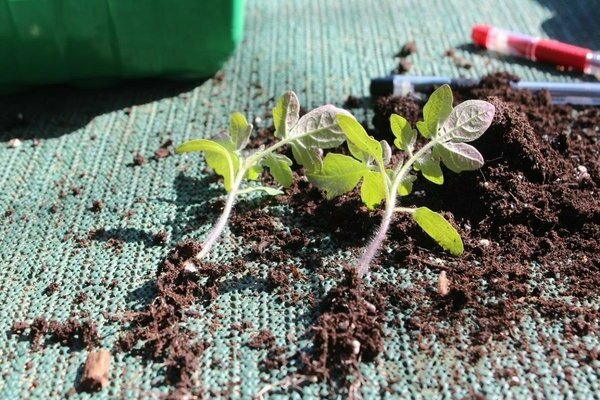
x=306, y=135
x=447, y=130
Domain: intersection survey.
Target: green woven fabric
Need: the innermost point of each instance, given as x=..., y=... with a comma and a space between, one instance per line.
x=322, y=50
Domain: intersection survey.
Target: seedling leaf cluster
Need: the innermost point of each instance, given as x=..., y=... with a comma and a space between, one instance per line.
x=446, y=130
x=227, y=156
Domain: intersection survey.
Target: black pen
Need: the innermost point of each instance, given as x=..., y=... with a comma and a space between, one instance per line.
x=578, y=93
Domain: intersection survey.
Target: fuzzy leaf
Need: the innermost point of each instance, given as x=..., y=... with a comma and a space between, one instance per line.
x=405, y=135
x=386, y=152
x=372, y=191
x=279, y=166
x=406, y=186
x=435, y=111
x=319, y=130
x=286, y=114
x=439, y=230
x=468, y=121
x=223, y=161
x=309, y=158
x=254, y=172
x=239, y=130
x=357, y=135
x=339, y=174
x=322, y=122
x=431, y=169
x=459, y=157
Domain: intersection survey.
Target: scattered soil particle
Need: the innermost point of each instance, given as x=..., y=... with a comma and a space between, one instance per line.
x=157, y=332
x=352, y=102
x=9, y=213
x=113, y=284
x=219, y=77
x=459, y=61
x=51, y=288
x=80, y=297
x=276, y=358
x=76, y=191
x=95, y=371
x=72, y=333
x=138, y=159
x=54, y=208
x=97, y=206
x=404, y=65
x=161, y=152
x=159, y=238
x=347, y=331
x=262, y=340
x=407, y=49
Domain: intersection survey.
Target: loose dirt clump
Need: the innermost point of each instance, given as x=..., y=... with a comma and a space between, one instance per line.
x=347, y=331
x=73, y=333
x=529, y=219
x=157, y=332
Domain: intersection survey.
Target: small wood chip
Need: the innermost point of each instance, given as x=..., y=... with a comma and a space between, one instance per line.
x=95, y=371
x=443, y=284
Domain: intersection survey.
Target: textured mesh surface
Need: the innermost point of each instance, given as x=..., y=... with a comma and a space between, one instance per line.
x=322, y=50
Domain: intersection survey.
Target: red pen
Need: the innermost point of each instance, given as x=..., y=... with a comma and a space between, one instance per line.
x=537, y=49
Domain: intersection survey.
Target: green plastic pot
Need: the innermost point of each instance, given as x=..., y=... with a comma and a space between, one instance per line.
x=95, y=41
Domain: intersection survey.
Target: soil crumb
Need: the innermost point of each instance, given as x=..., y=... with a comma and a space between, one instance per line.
x=72, y=333
x=407, y=49
x=347, y=331
x=138, y=159
x=51, y=288
x=157, y=332
x=262, y=340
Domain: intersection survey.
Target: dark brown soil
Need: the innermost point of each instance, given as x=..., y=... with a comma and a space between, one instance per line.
x=97, y=206
x=163, y=151
x=459, y=61
x=159, y=238
x=535, y=200
x=407, y=49
x=73, y=333
x=264, y=339
x=51, y=288
x=157, y=332
x=347, y=331
x=138, y=159
x=404, y=65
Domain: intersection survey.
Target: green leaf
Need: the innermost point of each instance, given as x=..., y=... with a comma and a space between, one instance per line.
x=431, y=169
x=357, y=135
x=340, y=174
x=405, y=135
x=309, y=158
x=372, y=191
x=286, y=114
x=279, y=166
x=254, y=172
x=239, y=130
x=459, y=157
x=439, y=230
x=222, y=161
x=406, y=186
x=322, y=127
x=468, y=121
x=435, y=111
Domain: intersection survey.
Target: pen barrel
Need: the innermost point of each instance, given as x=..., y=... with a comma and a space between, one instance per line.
x=553, y=52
